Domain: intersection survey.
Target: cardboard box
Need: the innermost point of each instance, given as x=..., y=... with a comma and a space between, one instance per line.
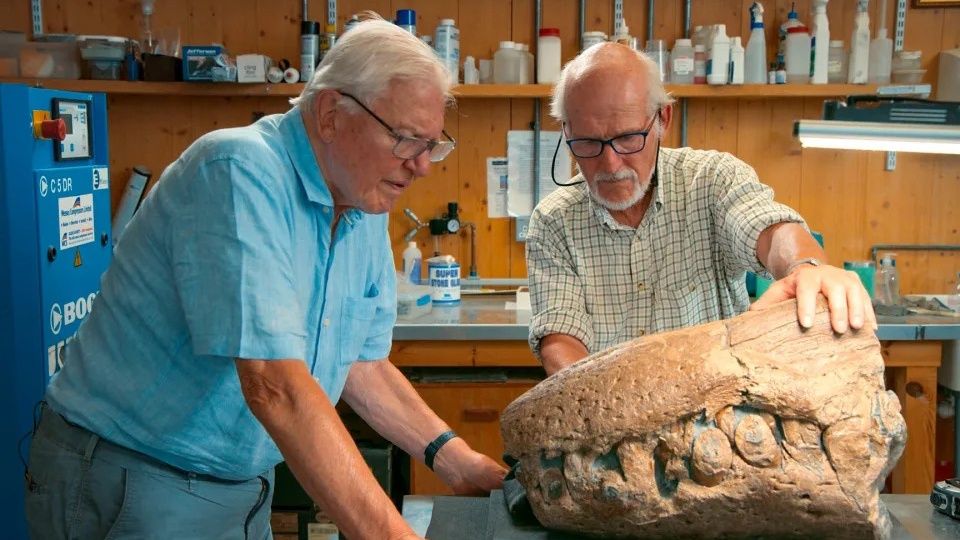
x=206, y=63
x=252, y=68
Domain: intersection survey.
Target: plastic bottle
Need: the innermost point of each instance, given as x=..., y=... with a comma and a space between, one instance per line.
x=412, y=261
x=755, y=57
x=309, y=48
x=820, y=44
x=530, y=63
x=792, y=21
x=859, y=45
x=505, y=64
x=888, y=290
x=407, y=19
x=521, y=64
x=657, y=51
x=836, y=63
x=592, y=38
x=797, y=55
x=699, y=64
x=719, y=59
x=327, y=40
x=548, y=55
x=682, y=62
x=736, y=61
x=881, y=51
x=470, y=73
x=446, y=42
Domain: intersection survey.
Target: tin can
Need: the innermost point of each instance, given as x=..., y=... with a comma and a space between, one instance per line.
x=444, y=276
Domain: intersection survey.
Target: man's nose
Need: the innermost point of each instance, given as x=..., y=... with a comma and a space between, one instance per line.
x=609, y=159
x=419, y=165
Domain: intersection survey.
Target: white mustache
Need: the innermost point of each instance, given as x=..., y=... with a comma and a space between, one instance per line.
x=622, y=174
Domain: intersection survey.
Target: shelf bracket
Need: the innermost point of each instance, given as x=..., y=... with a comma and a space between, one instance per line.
x=891, y=163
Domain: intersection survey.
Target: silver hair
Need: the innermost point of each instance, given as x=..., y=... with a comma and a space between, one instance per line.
x=369, y=57
x=586, y=62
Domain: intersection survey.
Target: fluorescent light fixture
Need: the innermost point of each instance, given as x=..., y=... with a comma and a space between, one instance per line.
x=881, y=136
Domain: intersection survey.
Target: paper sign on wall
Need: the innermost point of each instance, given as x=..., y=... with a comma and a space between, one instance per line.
x=76, y=220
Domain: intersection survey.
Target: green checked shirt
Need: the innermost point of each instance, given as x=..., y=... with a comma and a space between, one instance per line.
x=605, y=283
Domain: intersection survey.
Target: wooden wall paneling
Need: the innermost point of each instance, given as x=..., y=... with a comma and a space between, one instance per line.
x=667, y=22
x=832, y=188
x=696, y=122
x=563, y=14
x=482, y=136
x=482, y=28
x=951, y=30
x=924, y=32
x=722, y=128
x=17, y=16
x=599, y=16
x=278, y=28
x=239, y=30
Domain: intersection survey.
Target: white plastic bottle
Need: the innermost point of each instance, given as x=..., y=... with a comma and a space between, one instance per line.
x=682, y=62
x=792, y=21
x=521, y=64
x=446, y=41
x=881, y=51
x=470, y=73
x=412, y=261
x=755, y=57
x=860, y=45
x=505, y=64
x=820, y=43
x=736, y=61
x=719, y=59
x=797, y=55
x=531, y=63
x=548, y=56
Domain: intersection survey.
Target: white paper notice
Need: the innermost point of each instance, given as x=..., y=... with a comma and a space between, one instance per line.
x=497, y=187
x=520, y=191
x=76, y=220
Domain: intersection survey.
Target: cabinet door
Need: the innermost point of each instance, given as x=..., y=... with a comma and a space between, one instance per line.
x=473, y=411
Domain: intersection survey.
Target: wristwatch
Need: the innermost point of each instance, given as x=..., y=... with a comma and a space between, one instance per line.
x=812, y=261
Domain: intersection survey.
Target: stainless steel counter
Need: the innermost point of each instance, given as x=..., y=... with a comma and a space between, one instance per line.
x=485, y=318
x=915, y=517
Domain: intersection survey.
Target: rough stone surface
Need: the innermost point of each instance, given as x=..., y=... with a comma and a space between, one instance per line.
x=745, y=427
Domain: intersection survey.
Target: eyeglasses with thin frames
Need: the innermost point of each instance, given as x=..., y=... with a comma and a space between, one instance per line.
x=623, y=144
x=410, y=147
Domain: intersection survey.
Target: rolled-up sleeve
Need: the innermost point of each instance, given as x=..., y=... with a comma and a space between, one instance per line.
x=232, y=263
x=556, y=290
x=744, y=208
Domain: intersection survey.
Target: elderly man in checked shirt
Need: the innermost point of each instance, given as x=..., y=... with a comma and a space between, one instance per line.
x=654, y=239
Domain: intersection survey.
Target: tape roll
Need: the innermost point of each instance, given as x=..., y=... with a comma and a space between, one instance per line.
x=275, y=74
x=291, y=75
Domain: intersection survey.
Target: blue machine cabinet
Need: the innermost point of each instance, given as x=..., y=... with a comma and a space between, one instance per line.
x=54, y=246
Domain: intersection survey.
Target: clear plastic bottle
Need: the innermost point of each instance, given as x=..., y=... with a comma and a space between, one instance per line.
x=522, y=64
x=657, y=51
x=837, y=63
x=412, y=261
x=888, y=278
x=682, y=62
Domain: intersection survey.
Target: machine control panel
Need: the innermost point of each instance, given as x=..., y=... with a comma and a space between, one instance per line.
x=75, y=114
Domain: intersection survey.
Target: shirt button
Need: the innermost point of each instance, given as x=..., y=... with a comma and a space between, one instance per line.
x=326, y=210
x=326, y=322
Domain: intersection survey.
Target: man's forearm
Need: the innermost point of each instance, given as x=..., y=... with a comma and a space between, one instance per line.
x=781, y=244
x=386, y=400
x=318, y=449
x=558, y=351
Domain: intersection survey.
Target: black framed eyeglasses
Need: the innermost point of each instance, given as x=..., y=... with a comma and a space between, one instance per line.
x=411, y=147
x=625, y=143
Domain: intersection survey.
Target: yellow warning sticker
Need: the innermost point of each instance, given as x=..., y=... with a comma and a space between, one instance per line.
x=77, y=261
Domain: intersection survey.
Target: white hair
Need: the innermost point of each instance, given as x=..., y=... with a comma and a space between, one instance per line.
x=369, y=57
x=587, y=62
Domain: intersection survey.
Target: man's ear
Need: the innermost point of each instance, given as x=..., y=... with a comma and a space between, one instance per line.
x=666, y=117
x=325, y=113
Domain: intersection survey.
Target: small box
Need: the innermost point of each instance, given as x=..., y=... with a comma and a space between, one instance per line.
x=252, y=68
x=284, y=522
x=160, y=67
x=50, y=59
x=206, y=64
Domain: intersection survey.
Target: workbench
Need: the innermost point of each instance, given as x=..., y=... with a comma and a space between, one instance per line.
x=481, y=347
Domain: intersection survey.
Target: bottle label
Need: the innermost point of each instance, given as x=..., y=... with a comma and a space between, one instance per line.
x=683, y=66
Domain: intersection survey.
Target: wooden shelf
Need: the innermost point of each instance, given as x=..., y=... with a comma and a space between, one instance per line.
x=462, y=91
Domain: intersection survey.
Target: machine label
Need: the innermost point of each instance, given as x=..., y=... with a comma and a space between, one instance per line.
x=70, y=313
x=101, y=178
x=56, y=185
x=76, y=220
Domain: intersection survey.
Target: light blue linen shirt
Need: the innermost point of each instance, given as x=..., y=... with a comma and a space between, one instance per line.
x=230, y=256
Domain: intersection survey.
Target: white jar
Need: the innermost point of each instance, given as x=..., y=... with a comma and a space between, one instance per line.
x=505, y=62
x=592, y=38
x=548, y=56
x=836, y=63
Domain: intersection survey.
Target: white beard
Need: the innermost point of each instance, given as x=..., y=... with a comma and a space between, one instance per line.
x=639, y=190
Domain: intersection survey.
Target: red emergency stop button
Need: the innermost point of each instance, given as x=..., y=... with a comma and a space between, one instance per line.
x=55, y=129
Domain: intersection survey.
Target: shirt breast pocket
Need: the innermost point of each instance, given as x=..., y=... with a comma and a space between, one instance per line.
x=679, y=308
x=357, y=318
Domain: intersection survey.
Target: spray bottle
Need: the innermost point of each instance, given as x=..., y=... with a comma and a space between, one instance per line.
x=860, y=45
x=821, y=43
x=881, y=51
x=792, y=20
x=755, y=71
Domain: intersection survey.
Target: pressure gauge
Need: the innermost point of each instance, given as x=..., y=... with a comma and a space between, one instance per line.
x=453, y=225
x=75, y=113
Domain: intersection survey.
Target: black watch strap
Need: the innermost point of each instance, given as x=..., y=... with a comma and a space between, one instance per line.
x=431, y=451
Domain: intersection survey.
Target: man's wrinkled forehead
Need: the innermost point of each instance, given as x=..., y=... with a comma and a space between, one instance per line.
x=605, y=96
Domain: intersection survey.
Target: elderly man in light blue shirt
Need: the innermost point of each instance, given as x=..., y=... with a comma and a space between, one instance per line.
x=254, y=287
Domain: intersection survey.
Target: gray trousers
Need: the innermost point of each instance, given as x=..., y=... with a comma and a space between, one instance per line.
x=83, y=487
